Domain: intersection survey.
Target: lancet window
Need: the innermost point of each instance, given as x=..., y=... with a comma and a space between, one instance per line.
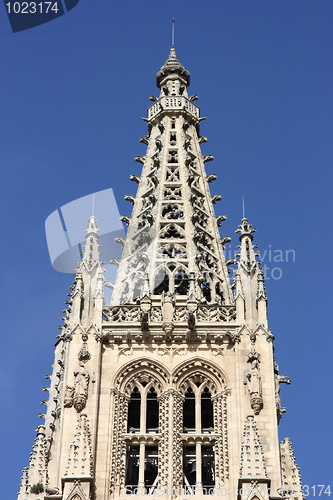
x=198, y=451
x=171, y=278
x=141, y=450
x=143, y=410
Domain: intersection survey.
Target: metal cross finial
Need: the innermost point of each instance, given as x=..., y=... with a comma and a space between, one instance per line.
x=243, y=207
x=173, y=32
x=93, y=204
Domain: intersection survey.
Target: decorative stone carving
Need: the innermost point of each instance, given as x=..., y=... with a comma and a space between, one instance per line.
x=279, y=379
x=118, y=444
x=291, y=478
x=81, y=382
x=216, y=313
x=252, y=462
x=80, y=460
x=168, y=306
x=163, y=448
x=145, y=306
x=69, y=395
x=254, y=381
x=177, y=451
x=84, y=355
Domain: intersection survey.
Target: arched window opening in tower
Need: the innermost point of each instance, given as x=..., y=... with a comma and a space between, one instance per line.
x=151, y=469
x=219, y=293
x=173, y=251
x=206, y=291
x=172, y=231
x=207, y=470
x=137, y=290
x=181, y=282
x=189, y=411
x=134, y=408
x=172, y=211
x=189, y=470
x=161, y=283
x=132, y=469
x=173, y=139
x=152, y=411
x=207, y=414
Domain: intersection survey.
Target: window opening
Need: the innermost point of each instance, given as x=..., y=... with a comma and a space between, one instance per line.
x=152, y=411
x=132, y=469
x=134, y=406
x=173, y=124
x=173, y=139
x=161, y=283
x=181, y=282
x=206, y=291
x=137, y=290
x=207, y=414
x=219, y=293
x=208, y=469
x=189, y=469
x=172, y=251
x=151, y=468
x=189, y=411
x=173, y=156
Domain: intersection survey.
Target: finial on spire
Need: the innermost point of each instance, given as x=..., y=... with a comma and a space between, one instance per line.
x=93, y=204
x=173, y=32
x=243, y=207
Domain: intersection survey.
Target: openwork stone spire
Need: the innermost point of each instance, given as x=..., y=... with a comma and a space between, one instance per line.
x=173, y=230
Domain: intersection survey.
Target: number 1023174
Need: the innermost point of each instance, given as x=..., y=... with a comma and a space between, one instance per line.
x=32, y=7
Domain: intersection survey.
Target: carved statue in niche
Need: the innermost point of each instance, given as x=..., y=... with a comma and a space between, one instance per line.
x=168, y=306
x=81, y=382
x=254, y=378
x=254, y=381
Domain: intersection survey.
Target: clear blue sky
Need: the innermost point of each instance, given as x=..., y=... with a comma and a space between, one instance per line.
x=72, y=93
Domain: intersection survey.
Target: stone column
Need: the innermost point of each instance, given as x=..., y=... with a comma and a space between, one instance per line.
x=118, y=445
x=177, y=450
x=221, y=447
x=141, y=480
x=198, y=482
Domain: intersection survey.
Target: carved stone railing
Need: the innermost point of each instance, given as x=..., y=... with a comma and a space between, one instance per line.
x=215, y=314
x=205, y=313
x=173, y=103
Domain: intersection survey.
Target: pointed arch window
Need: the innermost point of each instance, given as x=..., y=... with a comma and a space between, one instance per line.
x=207, y=413
x=134, y=411
x=152, y=411
x=198, y=419
x=189, y=411
x=143, y=419
x=161, y=282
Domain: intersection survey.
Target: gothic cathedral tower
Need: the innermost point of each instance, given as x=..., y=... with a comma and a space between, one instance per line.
x=171, y=390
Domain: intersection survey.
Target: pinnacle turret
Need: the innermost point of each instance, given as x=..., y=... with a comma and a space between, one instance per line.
x=172, y=69
x=91, y=253
x=250, y=277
